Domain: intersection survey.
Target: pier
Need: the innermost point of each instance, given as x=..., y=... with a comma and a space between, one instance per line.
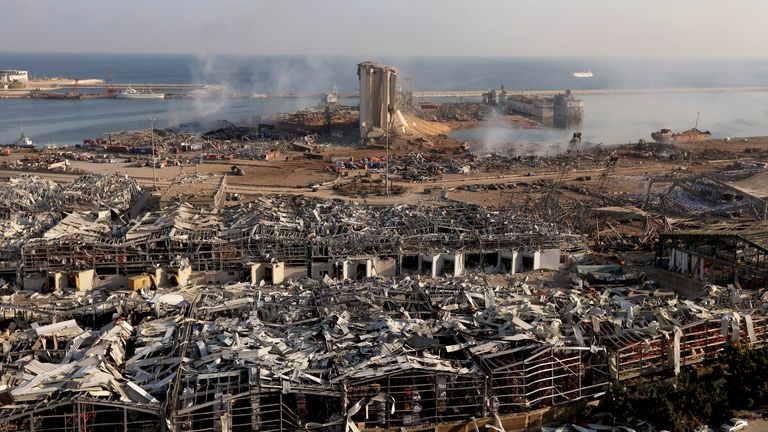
x=479, y=93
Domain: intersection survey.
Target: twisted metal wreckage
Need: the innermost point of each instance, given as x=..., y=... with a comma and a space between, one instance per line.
x=333, y=355
x=365, y=347
x=307, y=237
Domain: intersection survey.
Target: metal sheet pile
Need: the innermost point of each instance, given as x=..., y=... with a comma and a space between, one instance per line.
x=35, y=208
x=28, y=193
x=164, y=139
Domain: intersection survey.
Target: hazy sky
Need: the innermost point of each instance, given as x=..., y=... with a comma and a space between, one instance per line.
x=604, y=28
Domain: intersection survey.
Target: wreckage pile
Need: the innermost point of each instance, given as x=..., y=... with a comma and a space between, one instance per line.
x=31, y=206
x=301, y=232
x=383, y=353
x=323, y=116
x=112, y=191
x=33, y=194
x=164, y=139
x=28, y=194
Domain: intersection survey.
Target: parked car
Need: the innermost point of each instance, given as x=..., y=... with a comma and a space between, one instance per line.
x=733, y=425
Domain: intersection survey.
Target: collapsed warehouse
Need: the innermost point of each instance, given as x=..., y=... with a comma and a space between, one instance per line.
x=348, y=355
x=294, y=313
x=30, y=205
x=279, y=238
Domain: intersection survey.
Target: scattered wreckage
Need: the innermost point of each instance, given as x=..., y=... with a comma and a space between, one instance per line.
x=345, y=355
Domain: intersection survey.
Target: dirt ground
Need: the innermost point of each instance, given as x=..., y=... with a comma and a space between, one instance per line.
x=296, y=174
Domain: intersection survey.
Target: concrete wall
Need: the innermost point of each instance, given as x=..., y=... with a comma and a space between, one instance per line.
x=543, y=259
x=515, y=259
x=85, y=280
x=183, y=276
x=549, y=259
x=443, y=261
x=317, y=269
x=428, y=264
x=217, y=277
x=349, y=268
x=159, y=274
x=259, y=272
x=113, y=282
x=384, y=267
x=293, y=273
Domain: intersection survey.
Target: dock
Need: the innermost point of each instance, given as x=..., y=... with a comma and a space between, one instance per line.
x=479, y=93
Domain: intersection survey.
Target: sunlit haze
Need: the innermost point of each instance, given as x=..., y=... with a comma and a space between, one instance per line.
x=595, y=28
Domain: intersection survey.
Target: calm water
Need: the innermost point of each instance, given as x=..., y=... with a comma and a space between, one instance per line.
x=612, y=118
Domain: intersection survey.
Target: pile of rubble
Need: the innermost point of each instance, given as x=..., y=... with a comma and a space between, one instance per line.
x=32, y=208
x=28, y=193
x=317, y=117
x=43, y=162
x=164, y=139
x=110, y=191
x=90, y=191
x=379, y=353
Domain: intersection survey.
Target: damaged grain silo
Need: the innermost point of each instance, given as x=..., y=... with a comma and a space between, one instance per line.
x=378, y=97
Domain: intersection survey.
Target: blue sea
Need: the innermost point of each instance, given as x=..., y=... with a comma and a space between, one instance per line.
x=615, y=118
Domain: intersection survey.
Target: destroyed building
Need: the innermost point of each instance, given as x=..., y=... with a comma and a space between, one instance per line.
x=278, y=238
x=351, y=355
x=30, y=205
x=707, y=195
x=718, y=254
x=207, y=191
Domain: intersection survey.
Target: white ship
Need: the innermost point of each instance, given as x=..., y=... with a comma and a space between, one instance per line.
x=24, y=141
x=132, y=93
x=583, y=74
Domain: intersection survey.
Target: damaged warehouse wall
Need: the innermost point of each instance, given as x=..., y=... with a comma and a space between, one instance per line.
x=29, y=206
x=720, y=253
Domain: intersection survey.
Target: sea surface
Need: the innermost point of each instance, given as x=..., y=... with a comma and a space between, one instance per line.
x=614, y=118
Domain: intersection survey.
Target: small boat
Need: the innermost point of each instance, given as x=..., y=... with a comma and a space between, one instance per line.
x=132, y=93
x=583, y=74
x=24, y=141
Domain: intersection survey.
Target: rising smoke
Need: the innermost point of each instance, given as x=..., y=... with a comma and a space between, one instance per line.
x=238, y=77
x=497, y=135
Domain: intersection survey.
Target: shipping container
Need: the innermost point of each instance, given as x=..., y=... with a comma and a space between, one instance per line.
x=117, y=149
x=141, y=150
